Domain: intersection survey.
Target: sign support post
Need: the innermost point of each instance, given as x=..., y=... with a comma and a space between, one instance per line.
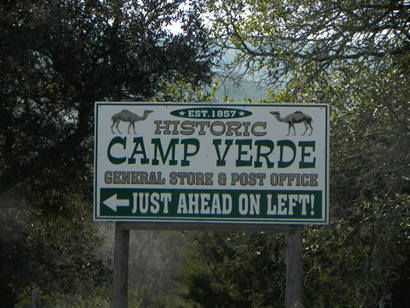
x=121, y=253
x=294, y=269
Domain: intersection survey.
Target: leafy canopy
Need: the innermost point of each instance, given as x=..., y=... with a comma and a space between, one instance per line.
x=57, y=57
x=353, y=55
x=281, y=36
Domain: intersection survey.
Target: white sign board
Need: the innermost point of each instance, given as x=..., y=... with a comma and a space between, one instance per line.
x=211, y=163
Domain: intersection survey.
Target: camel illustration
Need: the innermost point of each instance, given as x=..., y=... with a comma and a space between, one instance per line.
x=296, y=117
x=127, y=116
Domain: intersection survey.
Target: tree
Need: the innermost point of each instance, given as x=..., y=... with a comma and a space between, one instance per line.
x=353, y=55
x=369, y=185
x=61, y=56
x=57, y=57
x=278, y=37
x=235, y=270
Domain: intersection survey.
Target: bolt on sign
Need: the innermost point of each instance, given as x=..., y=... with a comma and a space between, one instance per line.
x=211, y=163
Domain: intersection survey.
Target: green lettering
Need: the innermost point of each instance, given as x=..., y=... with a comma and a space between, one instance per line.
x=304, y=145
x=289, y=144
x=217, y=142
x=263, y=143
x=158, y=148
x=116, y=140
x=240, y=162
x=186, y=143
x=139, y=141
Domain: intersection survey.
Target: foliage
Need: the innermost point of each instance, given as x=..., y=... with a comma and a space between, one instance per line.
x=104, y=50
x=55, y=254
x=181, y=91
x=57, y=57
x=235, y=270
x=369, y=185
x=277, y=37
x=353, y=55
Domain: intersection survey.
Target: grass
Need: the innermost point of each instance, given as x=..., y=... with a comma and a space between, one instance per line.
x=138, y=298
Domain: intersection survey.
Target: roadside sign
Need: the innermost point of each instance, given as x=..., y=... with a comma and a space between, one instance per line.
x=211, y=163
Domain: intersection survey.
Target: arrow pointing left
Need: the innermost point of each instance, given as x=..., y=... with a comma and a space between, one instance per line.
x=113, y=202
